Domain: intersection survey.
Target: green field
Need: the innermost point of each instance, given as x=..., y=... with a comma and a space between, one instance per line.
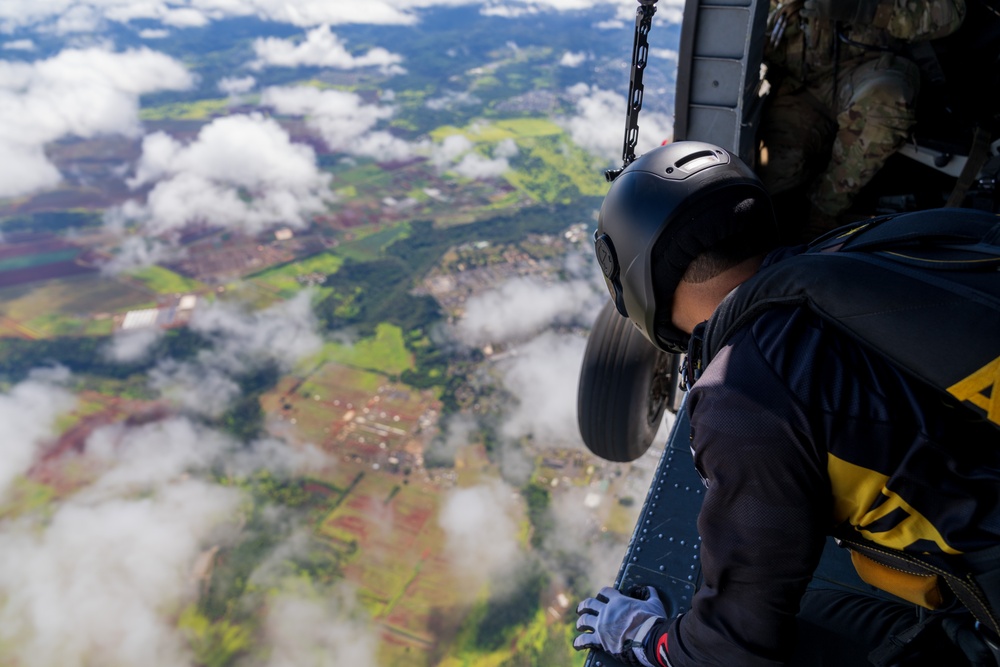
x=285, y=279
x=384, y=353
x=74, y=297
x=165, y=281
x=197, y=110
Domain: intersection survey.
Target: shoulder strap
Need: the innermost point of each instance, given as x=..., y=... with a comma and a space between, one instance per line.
x=922, y=290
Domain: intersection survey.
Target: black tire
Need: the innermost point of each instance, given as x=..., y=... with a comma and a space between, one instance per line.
x=623, y=389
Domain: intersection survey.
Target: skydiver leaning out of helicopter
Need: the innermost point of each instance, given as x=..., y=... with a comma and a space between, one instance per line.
x=798, y=432
x=843, y=93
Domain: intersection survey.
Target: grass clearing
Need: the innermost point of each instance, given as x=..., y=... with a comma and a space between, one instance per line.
x=197, y=110
x=384, y=353
x=165, y=281
x=287, y=281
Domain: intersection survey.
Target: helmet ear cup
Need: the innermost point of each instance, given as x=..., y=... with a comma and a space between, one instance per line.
x=608, y=261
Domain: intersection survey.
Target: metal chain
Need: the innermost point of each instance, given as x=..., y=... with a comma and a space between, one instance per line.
x=640, y=53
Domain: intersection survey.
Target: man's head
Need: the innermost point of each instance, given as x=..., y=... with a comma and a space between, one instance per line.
x=678, y=202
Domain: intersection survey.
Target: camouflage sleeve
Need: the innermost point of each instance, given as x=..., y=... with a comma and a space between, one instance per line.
x=916, y=20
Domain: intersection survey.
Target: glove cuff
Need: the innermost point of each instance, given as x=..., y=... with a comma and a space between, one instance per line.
x=643, y=649
x=656, y=645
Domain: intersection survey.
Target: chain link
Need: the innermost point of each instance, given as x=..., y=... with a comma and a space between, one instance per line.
x=640, y=53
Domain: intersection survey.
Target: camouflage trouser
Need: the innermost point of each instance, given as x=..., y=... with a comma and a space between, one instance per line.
x=837, y=140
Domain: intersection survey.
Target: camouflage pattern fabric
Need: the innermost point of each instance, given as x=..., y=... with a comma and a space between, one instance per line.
x=840, y=109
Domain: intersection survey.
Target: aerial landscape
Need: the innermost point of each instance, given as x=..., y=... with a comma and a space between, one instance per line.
x=293, y=300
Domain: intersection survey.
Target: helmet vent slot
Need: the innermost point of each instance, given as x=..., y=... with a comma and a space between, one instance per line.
x=697, y=161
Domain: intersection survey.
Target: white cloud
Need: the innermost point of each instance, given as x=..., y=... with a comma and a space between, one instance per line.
x=451, y=99
x=27, y=421
x=285, y=333
x=300, y=630
x=241, y=341
x=521, y=308
x=241, y=172
x=599, y=123
x=383, y=147
x=577, y=530
x=126, y=346
x=481, y=530
x=19, y=45
x=232, y=85
x=79, y=19
x=543, y=375
x=342, y=118
x=100, y=583
x=101, y=579
x=101, y=575
x=193, y=387
x=305, y=13
x=450, y=150
x=542, y=366
x=135, y=251
x=154, y=33
x=474, y=165
x=321, y=48
x=78, y=92
x=573, y=59
x=184, y=17
x=457, y=153
x=148, y=457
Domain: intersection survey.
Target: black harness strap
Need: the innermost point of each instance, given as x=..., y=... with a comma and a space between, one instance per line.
x=930, y=268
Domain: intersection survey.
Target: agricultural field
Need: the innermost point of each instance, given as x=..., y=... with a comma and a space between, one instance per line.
x=197, y=110
x=164, y=281
x=81, y=305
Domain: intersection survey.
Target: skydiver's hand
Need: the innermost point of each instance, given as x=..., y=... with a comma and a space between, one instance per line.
x=619, y=624
x=860, y=12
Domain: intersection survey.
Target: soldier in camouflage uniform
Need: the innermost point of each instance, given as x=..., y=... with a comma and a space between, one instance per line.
x=842, y=95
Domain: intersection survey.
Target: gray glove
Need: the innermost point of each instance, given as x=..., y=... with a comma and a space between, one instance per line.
x=618, y=624
x=861, y=12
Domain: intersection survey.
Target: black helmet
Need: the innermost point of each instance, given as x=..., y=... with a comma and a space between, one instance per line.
x=678, y=200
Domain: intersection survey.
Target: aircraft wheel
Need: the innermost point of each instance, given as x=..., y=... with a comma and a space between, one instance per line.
x=624, y=389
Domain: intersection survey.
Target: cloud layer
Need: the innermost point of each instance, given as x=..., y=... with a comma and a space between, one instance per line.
x=599, y=123
x=342, y=118
x=79, y=92
x=27, y=421
x=67, y=16
x=241, y=172
x=321, y=48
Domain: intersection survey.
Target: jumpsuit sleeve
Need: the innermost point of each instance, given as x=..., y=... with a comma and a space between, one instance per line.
x=918, y=20
x=767, y=504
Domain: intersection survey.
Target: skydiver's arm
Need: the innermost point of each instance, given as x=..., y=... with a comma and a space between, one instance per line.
x=766, y=509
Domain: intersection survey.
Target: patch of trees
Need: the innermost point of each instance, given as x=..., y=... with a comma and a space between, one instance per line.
x=244, y=419
x=87, y=354
x=508, y=611
x=537, y=498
